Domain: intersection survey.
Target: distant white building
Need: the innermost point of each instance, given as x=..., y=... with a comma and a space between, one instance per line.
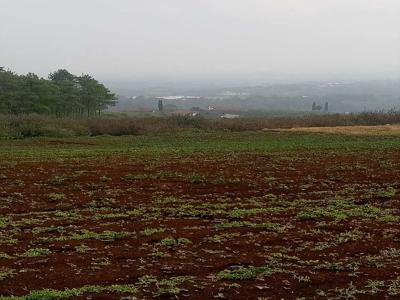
x=229, y=116
x=183, y=98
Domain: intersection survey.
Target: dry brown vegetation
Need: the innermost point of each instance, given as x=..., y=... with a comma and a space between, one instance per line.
x=34, y=125
x=392, y=130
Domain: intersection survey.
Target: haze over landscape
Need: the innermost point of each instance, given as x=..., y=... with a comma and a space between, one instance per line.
x=205, y=48
x=187, y=40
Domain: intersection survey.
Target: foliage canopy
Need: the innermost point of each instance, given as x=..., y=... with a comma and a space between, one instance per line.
x=62, y=94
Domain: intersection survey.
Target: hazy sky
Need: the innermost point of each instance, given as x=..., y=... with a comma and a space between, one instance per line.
x=125, y=39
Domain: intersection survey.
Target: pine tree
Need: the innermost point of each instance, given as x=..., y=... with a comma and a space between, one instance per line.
x=314, y=106
x=160, y=105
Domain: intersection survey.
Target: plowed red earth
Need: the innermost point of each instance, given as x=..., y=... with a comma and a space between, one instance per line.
x=246, y=226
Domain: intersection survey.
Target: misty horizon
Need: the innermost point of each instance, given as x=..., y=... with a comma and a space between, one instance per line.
x=225, y=41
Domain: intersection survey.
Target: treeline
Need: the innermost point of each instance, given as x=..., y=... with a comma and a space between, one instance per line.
x=62, y=94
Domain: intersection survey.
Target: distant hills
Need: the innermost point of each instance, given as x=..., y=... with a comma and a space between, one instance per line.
x=299, y=97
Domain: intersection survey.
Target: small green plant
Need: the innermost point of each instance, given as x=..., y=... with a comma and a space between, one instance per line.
x=87, y=234
x=58, y=180
x=195, y=178
x=151, y=231
x=170, y=242
x=165, y=287
x=220, y=238
x=170, y=287
x=159, y=254
x=48, y=294
x=35, y=252
x=3, y=223
x=54, y=197
x=394, y=287
x=4, y=256
x=171, y=291
x=240, y=273
x=82, y=248
x=6, y=273
x=375, y=286
x=389, y=193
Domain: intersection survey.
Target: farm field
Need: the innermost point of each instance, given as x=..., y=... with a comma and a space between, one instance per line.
x=201, y=215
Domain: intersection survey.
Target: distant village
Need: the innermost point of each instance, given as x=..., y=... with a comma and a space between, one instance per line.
x=318, y=98
x=186, y=106
x=193, y=106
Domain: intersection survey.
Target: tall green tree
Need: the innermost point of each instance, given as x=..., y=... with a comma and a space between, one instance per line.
x=94, y=95
x=63, y=94
x=68, y=92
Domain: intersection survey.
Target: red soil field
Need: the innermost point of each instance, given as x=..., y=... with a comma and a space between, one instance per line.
x=304, y=225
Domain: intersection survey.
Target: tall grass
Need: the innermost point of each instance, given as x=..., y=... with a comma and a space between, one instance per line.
x=312, y=120
x=23, y=126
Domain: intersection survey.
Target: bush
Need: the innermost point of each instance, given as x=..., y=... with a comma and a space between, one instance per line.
x=115, y=127
x=22, y=126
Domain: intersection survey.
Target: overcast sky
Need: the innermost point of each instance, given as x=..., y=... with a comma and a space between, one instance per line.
x=125, y=39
